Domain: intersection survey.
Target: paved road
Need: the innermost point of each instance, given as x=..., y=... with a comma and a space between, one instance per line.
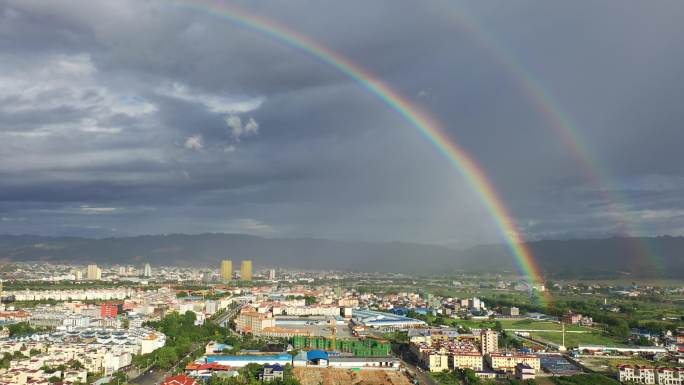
x=156, y=376
x=225, y=317
x=152, y=377
x=409, y=360
x=423, y=377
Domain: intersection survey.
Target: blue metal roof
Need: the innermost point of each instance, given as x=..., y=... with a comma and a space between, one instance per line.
x=312, y=355
x=250, y=357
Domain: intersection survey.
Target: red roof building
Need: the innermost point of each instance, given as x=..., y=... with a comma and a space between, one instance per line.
x=180, y=379
x=209, y=366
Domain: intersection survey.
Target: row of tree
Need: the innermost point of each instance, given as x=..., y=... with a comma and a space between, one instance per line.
x=182, y=336
x=468, y=377
x=249, y=375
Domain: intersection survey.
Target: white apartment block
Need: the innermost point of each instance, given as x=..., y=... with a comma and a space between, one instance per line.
x=71, y=295
x=97, y=359
x=649, y=375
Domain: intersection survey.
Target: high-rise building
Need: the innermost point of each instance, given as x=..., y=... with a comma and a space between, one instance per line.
x=148, y=270
x=246, y=270
x=122, y=271
x=489, y=341
x=226, y=269
x=94, y=273
x=271, y=274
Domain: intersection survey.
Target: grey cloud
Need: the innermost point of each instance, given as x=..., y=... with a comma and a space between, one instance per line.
x=135, y=106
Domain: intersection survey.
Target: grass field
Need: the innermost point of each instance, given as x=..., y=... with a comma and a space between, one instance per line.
x=548, y=331
x=522, y=324
x=574, y=339
x=609, y=365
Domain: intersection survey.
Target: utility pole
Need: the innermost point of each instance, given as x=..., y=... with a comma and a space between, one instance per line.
x=563, y=333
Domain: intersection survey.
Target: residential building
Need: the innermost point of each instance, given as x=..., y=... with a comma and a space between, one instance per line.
x=577, y=319
x=524, y=372
x=437, y=361
x=108, y=310
x=94, y=273
x=271, y=372
x=510, y=311
x=251, y=321
x=489, y=341
x=670, y=376
x=180, y=379
x=650, y=375
x=468, y=360
x=508, y=361
x=226, y=269
x=246, y=270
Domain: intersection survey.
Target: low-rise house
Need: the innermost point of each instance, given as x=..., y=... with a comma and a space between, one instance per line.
x=271, y=372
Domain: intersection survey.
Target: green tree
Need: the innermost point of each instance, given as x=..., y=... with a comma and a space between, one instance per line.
x=619, y=329
x=166, y=357
x=75, y=364
x=21, y=329
x=585, y=379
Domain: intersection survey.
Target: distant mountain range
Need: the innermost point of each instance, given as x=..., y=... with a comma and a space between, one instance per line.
x=643, y=257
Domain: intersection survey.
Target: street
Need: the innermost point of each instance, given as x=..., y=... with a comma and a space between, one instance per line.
x=408, y=359
x=151, y=377
x=156, y=376
x=422, y=376
x=230, y=313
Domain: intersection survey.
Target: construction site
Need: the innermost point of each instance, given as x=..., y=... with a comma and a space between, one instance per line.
x=332, y=376
x=359, y=348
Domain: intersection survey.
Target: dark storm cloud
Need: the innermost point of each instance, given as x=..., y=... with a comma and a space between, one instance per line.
x=135, y=117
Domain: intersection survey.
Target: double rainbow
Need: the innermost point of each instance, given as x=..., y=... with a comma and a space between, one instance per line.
x=427, y=126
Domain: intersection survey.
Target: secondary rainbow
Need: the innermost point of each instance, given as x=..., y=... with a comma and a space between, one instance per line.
x=394, y=100
x=558, y=120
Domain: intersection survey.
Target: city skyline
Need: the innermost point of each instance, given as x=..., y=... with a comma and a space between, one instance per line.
x=387, y=192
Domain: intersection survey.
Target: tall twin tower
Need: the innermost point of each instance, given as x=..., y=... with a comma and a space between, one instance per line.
x=245, y=270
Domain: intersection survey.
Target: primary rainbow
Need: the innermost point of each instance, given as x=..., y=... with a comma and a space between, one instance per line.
x=475, y=177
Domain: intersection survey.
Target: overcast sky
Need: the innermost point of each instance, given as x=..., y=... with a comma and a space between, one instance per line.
x=146, y=117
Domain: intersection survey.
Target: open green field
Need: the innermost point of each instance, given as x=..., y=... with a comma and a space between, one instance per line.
x=629, y=281
x=609, y=365
x=574, y=339
x=548, y=331
x=522, y=324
